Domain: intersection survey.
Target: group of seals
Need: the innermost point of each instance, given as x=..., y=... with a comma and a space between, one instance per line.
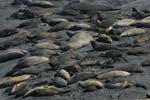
x=83, y=47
